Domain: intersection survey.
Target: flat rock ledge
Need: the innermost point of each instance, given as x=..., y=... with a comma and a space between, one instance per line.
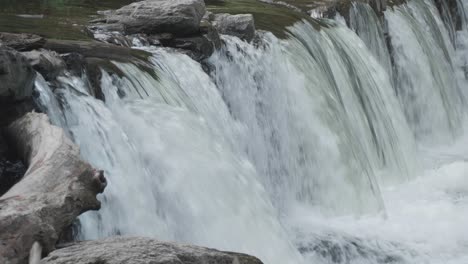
x=139, y=250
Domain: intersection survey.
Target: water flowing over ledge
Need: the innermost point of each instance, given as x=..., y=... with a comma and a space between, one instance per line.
x=332, y=145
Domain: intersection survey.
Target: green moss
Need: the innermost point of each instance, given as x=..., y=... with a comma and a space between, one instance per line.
x=62, y=19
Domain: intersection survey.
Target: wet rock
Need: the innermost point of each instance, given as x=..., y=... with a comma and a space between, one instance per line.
x=198, y=47
x=211, y=33
x=142, y=251
x=21, y=42
x=48, y=63
x=75, y=62
x=16, y=76
x=241, y=25
x=181, y=17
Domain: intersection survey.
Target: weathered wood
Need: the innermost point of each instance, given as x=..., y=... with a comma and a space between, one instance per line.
x=138, y=250
x=57, y=187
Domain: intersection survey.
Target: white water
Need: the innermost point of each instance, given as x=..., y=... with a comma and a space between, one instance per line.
x=426, y=77
x=296, y=151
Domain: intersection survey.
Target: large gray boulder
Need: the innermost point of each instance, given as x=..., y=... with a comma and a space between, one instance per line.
x=139, y=250
x=179, y=17
x=16, y=76
x=241, y=25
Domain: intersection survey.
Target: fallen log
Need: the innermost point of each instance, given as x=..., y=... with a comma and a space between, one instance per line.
x=138, y=250
x=57, y=187
x=94, y=49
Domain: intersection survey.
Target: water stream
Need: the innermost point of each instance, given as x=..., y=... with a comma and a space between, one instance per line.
x=328, y=146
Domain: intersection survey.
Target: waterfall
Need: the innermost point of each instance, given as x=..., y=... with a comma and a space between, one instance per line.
x=421, y=47
x=367, y=25
x=317, y=148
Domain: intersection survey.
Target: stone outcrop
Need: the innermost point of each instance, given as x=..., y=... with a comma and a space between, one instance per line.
x=181, y=24
x=179, y=17
x=48, y=63
x=137, y=250
x=21, y=42
x=241, y=26
x=57, y=187
x=16, y=75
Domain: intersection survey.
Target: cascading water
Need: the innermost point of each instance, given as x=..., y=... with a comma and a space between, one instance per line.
x=303, y=150
x=426, y=78
x=368, y=27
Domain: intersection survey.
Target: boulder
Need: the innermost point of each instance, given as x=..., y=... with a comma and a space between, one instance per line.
x=137, y=250
x=16, y=76
x=21, y=42
x=241, y=25
x=179, y=17
x=47, y=63
x=197, y=47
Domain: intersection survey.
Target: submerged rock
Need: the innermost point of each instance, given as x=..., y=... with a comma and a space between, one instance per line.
x=137, y=250
x=339, y=248
x=179, y=17
x=241, y=26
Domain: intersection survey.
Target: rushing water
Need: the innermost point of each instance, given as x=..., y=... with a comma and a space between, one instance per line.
x=312, y=149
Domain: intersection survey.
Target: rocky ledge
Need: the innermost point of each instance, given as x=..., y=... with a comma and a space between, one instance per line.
x=181, y=24
x=139, y=250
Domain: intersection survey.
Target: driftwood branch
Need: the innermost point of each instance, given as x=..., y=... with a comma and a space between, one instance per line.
x=57, y=187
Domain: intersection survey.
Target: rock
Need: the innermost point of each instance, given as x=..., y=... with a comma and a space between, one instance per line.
x=211, y=33
x=48, y=63
x=16, y=76
x=75, y=62
x=198, y=47
x=241, y=26
x=179, y=17
x=138, y=250
x=57, y=187
x=21, y=42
